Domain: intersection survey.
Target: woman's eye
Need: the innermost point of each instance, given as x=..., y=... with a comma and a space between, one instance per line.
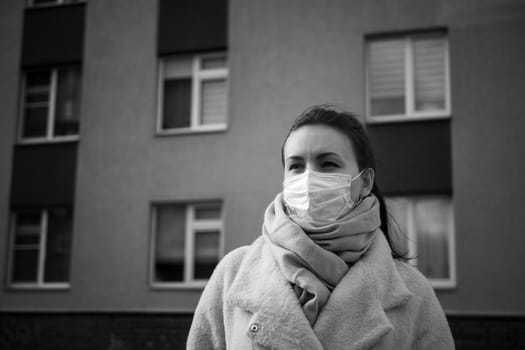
x=294, y=166
x=329, y=164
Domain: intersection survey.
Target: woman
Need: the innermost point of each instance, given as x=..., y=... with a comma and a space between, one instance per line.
x=323, y=274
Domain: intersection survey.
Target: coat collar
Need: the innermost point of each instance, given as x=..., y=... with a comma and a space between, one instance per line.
x=356, y=310
x=354, y=313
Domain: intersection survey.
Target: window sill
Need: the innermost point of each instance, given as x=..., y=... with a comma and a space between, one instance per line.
x=179, y=285
x=38, y=287
x=195, y=130
x=407, y=118
x=39, y=141
x=442, y=284
x=40, y=6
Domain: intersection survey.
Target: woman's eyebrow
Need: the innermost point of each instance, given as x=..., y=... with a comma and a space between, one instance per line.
x=291, y=158
x=328, y=154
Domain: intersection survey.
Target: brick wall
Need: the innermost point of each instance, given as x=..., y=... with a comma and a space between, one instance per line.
x=482, y=332
x=139, y=331
x=31, y=331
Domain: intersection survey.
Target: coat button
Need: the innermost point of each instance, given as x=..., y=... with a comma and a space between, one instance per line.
x=254, y=328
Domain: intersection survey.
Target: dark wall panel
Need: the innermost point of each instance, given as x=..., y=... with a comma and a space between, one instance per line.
x=413, y=158
x=44, y=174
x=53, y=35
x=192, y=26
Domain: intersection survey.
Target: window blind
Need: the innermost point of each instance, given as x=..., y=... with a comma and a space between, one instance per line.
x=387, y=77
x=214, y=101
x=429, y=73
x=432, y=222
x=67, y=108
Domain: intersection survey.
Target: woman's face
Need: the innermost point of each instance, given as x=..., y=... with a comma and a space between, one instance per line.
x=324, y=149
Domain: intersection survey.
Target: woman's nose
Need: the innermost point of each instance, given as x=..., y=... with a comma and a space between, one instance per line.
x=310, y=166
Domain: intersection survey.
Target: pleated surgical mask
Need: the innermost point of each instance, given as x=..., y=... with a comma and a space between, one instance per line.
x=318, y=197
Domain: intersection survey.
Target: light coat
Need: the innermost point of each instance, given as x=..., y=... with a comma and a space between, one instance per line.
x=381, y=303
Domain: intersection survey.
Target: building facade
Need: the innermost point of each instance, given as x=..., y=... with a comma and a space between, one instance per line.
x=140, y=142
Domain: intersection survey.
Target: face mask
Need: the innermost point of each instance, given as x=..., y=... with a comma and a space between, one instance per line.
x=319, y=197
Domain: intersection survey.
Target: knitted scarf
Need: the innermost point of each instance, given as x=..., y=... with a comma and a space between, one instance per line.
x=314, y=257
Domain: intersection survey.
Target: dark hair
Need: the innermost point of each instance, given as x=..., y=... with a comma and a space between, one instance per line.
x=347, y=123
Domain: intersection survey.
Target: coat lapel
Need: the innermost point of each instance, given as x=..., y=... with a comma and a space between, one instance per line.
x=355, y=312
x=260, y=289
x=353, y=318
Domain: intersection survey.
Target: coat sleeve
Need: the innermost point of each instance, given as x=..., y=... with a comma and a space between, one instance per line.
x=207, y=327
x=432, y=329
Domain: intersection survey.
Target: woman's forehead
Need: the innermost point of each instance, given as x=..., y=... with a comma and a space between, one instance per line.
x=317, y=139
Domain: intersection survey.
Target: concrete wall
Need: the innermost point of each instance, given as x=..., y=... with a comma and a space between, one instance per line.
x=298, y=54
x=487, y=50
x=284, y=56
x=123, y=166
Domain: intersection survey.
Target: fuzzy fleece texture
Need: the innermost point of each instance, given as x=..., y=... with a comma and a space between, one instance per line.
x=314, y=256
x=380, y=303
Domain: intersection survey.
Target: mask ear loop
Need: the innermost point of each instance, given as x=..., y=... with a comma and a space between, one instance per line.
x=361, y=197
x=360, y=173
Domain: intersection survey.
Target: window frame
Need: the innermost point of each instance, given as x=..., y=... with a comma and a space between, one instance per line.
x=410, y=113
x=192, y=226
x=51, y=109
x=198, y=75
x=40, y=284
x=411, y=236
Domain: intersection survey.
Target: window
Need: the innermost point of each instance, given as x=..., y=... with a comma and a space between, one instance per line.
x=187, y=243
x=50, y=105
x=193, y=94
x=35, y=3
x=40, y=248
x=408, y=77
x=428, y=223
